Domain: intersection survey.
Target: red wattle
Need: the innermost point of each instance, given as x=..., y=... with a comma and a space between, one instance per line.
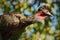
x=41, y=15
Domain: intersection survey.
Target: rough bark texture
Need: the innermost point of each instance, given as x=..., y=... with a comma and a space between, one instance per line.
x=11, y=24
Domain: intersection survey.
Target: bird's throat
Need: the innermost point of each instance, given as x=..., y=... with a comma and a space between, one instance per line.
x=41, y=16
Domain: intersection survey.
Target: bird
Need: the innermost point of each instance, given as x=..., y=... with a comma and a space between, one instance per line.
x=13, y=23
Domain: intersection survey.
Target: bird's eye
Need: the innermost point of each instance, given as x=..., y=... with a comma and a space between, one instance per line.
x=43, y=8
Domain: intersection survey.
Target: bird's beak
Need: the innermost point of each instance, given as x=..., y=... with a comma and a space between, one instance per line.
x=47, y=12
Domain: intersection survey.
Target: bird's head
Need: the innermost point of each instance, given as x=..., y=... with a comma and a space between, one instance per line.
x=43, y=12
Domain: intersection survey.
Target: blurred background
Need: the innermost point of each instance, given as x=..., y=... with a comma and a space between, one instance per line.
x=36, y=31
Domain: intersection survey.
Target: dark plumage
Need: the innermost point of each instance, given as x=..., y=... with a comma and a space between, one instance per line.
x=11, y=24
